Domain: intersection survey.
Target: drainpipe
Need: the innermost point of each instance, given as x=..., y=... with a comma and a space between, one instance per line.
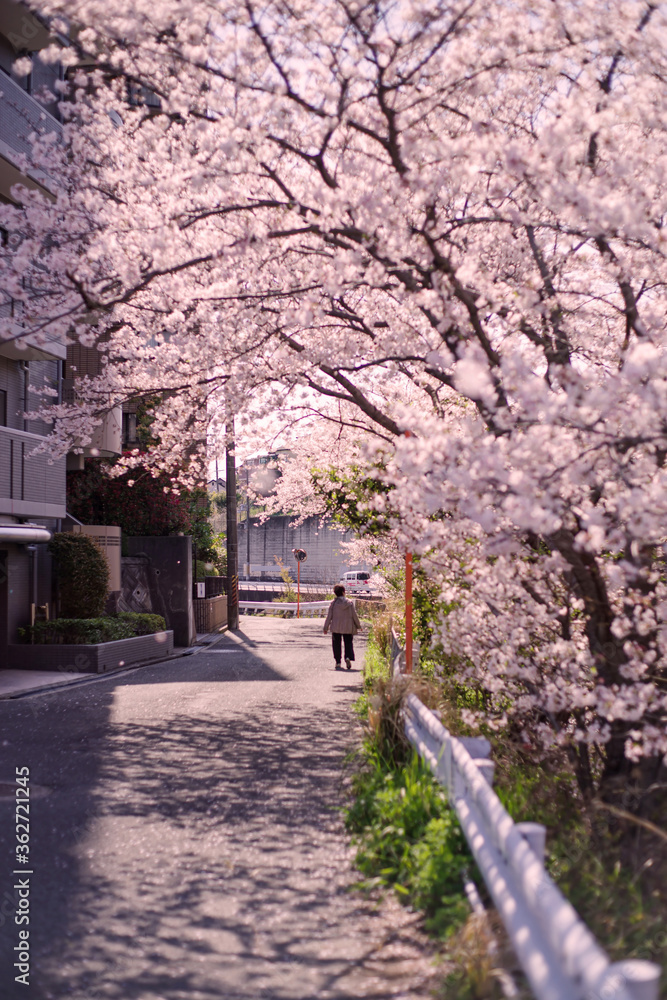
x=25, y=368
x=32, y=579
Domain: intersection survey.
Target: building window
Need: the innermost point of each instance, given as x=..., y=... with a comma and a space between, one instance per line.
x=129, y=428
x=3, y=408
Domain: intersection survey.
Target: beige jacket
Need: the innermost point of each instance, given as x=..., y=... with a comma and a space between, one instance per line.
x=342, y=616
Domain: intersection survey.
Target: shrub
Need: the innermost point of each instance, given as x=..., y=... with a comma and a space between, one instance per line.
x=84, y=631
x=76, y=631
x=152, y=505
x=83, y=575
x=289, y=594
x=142, y=623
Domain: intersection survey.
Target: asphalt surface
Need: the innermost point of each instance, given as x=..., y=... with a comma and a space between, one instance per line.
x=185, y=835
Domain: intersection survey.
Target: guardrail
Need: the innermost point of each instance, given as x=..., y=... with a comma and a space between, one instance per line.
x=558, y=954
x=279, y=606
x=398, y=654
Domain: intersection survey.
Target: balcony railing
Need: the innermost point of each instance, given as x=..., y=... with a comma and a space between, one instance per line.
x=107, y=439
x=29, y=346
x=29, y=485
x=20, y=116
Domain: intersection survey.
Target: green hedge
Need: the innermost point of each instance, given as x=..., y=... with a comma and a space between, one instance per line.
x=83, y=575
x=88, y=631
x=143, y=624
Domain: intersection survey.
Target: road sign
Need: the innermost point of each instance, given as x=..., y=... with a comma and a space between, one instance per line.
x=300, y=556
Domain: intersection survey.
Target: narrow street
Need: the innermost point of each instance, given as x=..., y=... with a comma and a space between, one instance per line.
x=186, y=840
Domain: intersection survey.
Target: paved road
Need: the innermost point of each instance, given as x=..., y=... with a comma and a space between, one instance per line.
x=186, y=838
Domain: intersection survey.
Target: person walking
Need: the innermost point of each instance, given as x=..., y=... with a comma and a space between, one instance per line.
x=344, y=622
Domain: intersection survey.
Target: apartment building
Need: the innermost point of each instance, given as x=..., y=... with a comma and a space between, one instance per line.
x=32, y=489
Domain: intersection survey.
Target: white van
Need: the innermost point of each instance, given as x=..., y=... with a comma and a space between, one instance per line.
x=356, y=581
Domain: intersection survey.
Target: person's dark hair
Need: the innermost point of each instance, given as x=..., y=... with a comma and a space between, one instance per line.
x=339, y=590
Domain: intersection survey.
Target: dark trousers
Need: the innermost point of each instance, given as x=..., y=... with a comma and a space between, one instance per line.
x=349, y=646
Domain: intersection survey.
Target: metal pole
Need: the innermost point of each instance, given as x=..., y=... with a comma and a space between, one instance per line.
x=408, y=612
x=298, y=589
x=408, y=604
x=247, y=520
x=232, y=532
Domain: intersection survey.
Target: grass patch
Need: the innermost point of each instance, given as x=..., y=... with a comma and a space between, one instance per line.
x=407, y=836
x=376, y=668
x=615, y=882
x=613, y=872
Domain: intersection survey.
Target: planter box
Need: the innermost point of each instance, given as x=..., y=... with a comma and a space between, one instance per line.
x=92, y=659
x=210, y=613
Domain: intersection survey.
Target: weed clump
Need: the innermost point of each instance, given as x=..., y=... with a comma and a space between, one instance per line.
x=407, y=835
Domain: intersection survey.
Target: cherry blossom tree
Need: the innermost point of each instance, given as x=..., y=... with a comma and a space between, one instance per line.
x=448, y=219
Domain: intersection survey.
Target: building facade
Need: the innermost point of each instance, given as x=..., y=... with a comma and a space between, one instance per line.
x=32, y=486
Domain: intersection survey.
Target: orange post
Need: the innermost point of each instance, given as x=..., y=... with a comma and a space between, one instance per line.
x=408, y=612
x=408, y=604
x=298, y=589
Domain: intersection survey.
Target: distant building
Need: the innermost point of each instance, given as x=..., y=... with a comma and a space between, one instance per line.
x=261, y=472
x=275, y=539
x=263, y=542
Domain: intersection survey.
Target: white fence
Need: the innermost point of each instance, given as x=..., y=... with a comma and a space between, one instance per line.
x=558, y=954
x=277, y=607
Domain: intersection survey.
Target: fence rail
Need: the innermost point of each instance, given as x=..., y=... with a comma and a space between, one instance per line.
x=558, y=954
x=277, y=607
x=398, y=654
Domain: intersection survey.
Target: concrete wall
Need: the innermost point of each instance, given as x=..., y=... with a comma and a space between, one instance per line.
x=168, y=580
x=92, y=659
x=135, y=593
x=326, y=560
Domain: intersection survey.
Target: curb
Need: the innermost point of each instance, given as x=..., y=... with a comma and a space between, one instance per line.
x=209, y=640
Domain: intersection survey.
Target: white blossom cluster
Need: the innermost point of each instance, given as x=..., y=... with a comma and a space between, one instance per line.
x=447, y=218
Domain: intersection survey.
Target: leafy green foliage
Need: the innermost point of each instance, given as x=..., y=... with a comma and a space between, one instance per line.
x=346, y=498
x=407, y=835
x=77, y=631
x=140, y=504
x=88, y=631
x=289, y=594
x=376, y=665
x=142, y=623
x=82, y=574
x=618, y=892
x=410, y=839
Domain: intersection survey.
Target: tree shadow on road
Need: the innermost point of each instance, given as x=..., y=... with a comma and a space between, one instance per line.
x=192, y=857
